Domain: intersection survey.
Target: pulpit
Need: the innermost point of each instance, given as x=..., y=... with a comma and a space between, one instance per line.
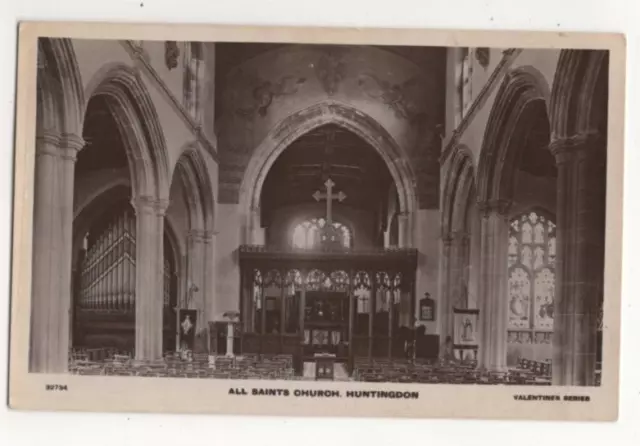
x=224, y=338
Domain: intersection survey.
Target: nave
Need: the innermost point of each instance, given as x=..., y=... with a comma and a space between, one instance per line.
x=385, y=214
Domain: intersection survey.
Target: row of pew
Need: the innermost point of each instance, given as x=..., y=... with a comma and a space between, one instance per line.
x=119, y=363
x=441, y=372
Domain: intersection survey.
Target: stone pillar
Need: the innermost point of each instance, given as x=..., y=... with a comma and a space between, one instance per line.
x=210, y=310
x=404, y=230
x=581, y=162
x=158, y=304
x=493, y=299
x=444, y=306
x=149, y=277
x=458, y=250
x=256, y=231
x=71, y=145
x=196, y=273
x=51, y=273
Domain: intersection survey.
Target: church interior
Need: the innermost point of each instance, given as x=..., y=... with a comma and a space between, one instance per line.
x=322, y=212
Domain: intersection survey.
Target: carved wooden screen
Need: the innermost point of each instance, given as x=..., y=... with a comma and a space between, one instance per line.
x=256, y=292
x=272, y=290
x=362, y=294
x=531, y=260
x=384, y=300
x=293, y=288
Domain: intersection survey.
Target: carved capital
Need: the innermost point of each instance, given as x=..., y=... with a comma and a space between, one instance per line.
x=500, y=207
x=197, y=235
x=161, y=206
x=149, y=205
x=60, y=145
x=588, y=144
x=48, y=143
x=70, y=145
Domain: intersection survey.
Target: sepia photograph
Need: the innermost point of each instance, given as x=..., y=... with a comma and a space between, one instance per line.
x=320, y=216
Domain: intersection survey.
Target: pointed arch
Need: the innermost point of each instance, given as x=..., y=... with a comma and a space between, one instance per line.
x=328, y=112
x=132, y=108
x=459, y=183
x=500, y=154
x=573, y=109
x=192, y=171
x=60, y=96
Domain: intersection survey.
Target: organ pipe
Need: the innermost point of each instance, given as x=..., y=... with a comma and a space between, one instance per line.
x=108, y=269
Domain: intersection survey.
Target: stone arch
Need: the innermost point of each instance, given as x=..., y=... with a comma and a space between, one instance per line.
x=459, y=183
x=328, y=112
x=499, y=154
x=60, y=95
x=192, y=171
x=132, y=108
x=573, y=109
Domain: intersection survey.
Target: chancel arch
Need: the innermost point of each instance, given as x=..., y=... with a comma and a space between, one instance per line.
x=305, y=121
x=325, y=279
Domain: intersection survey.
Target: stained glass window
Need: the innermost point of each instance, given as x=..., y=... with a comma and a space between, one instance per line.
x=313, y=234
x=531, y=262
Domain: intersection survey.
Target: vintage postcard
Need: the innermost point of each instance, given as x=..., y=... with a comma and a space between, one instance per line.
x=312, y=221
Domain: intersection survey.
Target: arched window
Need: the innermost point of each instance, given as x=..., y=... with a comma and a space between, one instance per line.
x=314, y=234
x=531, y=259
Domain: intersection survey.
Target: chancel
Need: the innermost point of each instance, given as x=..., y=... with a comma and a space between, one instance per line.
x=321, y=212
